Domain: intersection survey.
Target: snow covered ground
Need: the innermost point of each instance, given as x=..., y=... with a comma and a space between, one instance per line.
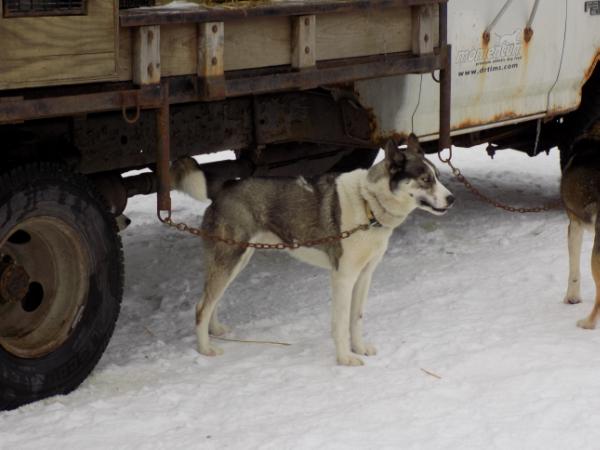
x=474, y=298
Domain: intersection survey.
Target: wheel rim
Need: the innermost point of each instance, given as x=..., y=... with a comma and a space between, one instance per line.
x=53, y=256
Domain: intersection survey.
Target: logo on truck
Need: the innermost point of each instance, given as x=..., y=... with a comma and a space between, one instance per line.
x=592, y=7
x=502, y=53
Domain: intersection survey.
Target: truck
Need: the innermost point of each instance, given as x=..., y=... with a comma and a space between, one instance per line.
x=91, y=89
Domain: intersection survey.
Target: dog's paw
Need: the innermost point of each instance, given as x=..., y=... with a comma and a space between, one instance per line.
x=571, y=300
x=366, y=349
x=122, y=222
x=349, y=360
x=586, y=324
x=211, y=350
x=218, y=329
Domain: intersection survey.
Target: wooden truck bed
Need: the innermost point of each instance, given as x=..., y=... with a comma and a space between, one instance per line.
x=206, y=53
x=99, y=46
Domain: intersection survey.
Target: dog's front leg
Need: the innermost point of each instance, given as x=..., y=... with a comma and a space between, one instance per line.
x=342, y=285
x=575, y=235
x=589, y=322
x=359, y=297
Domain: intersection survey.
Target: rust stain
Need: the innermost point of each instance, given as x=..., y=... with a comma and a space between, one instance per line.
x=524, y=63
x=559, y=111
x=485, y=38
x=378, y=137
x=588, y=73
x=485, y=47
x=382, y=139
x=373, y=125
x=471, y=123
x=525, y=45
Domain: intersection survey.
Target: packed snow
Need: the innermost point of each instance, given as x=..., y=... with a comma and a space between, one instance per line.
x=476, y=348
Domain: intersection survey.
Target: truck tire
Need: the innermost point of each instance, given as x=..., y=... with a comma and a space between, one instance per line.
x=61, y=282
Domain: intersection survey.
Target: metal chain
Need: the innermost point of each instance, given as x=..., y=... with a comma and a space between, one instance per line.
x=473, y=190
x=327, y=240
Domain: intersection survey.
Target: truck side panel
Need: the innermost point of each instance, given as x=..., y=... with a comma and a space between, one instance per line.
x=503, y=80
x=580, y=56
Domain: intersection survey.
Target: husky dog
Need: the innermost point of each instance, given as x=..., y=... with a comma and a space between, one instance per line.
x=293, y=210
x=580, y=193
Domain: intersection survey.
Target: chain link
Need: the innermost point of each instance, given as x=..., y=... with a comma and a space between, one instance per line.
x=473, y=190
x=327, y=240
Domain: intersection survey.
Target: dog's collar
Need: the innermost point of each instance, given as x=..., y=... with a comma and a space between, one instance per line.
x=373, y=222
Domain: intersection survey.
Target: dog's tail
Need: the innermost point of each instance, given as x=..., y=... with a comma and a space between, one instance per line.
x=187, y=177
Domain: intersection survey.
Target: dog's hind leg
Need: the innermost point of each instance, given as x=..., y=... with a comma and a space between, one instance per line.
x=342, y=287
x=359, y=297
x=590, y=321
x=575, y=235
x=220, y=272
x=215, y=327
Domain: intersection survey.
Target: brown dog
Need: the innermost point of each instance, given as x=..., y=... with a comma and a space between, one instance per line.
x=580, y=193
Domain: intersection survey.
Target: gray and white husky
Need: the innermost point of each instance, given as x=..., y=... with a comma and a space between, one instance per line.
x=292, y=210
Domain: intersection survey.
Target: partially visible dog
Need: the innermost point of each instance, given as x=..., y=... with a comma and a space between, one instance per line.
x=580, y=193
x=289, y=210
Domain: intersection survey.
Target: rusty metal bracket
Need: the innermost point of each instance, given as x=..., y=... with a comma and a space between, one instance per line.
x=163, y=155
x=16, y=109
x=136, y=102
x=7, y=101
x=445, y=50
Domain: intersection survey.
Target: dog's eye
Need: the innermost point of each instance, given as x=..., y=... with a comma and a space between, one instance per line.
x=427, y=179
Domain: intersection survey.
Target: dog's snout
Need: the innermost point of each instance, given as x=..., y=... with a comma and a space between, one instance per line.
x=450, y=200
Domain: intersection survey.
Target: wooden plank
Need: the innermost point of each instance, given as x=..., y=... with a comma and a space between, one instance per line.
x=146, y=55
x=37, y=37
x=422, y=29
x=211, y=45
x=266, y=41
x=229, y=10
x=303, y=41
x=124, y=62
x=363, y=33
x=53, y=70
x=179, y=49
x=260, y=42
x=210, y=70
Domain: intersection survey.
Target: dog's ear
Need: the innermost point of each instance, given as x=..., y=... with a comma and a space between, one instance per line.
x=394, y=156
x=413, y=145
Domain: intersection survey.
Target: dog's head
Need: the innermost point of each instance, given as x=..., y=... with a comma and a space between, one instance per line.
x=413, y=178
